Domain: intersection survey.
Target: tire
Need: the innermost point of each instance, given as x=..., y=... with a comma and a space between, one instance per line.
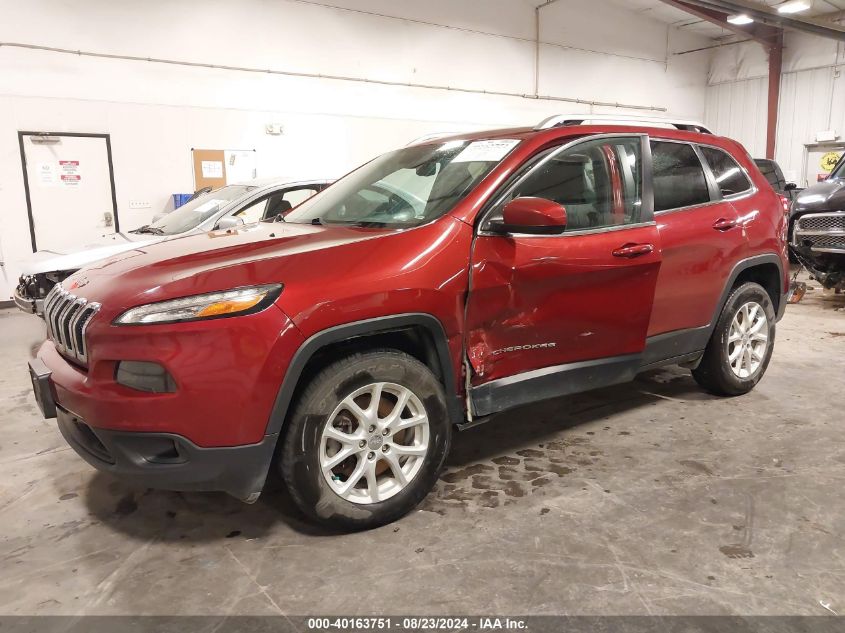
x=717, y=372
x=377, y=496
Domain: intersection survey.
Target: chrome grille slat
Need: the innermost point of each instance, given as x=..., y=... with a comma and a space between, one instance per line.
x=67, y=317
x=71, y=325
x=57, y=306
x=61, y=319
x=67, y=330
x=51, y=298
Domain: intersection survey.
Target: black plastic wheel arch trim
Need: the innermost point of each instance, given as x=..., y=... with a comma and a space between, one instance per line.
x=745, y=264
x=367, y=327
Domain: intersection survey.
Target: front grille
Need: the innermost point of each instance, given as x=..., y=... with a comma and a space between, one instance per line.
x=825, y=242
x=822, y=222
x=821, y=231
x=67, y=317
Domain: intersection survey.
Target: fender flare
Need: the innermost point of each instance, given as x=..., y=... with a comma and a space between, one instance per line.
x=367, y=327
x=743, y=265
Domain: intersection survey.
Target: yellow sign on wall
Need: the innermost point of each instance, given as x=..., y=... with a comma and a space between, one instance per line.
x=829, y=160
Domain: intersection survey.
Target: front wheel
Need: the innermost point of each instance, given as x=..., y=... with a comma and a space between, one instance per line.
x=367, y=440
x=741, y=345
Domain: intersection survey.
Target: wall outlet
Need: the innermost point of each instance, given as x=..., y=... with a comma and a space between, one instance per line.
x=274, y=128
x=138, y=204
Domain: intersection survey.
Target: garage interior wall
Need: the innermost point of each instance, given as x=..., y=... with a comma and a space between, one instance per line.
x=156, y=112
x=812, y=96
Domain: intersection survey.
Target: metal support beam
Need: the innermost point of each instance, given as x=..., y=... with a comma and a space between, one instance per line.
x=537, y=44
x=770, y=37
x=766, y=16
x=775, y=69
x=761, y=33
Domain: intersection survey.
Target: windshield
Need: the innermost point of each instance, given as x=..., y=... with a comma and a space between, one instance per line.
x=191, y=214
x=839, y=170
x=405, y=188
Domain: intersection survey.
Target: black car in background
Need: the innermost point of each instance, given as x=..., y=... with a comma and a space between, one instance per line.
x=774, y=174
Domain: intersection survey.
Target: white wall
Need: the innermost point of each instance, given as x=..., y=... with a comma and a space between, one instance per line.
x=812, y=96
x=156, y=112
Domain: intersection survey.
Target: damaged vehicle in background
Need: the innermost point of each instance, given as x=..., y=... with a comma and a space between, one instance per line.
x=227, y=207
x=818, y=235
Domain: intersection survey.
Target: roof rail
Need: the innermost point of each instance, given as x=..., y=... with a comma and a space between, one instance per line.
x=559, y=120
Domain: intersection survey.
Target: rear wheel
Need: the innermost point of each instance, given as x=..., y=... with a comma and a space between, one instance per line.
x=741, y=345
x=367, y=440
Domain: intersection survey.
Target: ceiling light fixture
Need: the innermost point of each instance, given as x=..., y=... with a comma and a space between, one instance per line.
x=794, y=6
x=740, y=18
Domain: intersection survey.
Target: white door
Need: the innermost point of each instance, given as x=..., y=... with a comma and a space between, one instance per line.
x=70, y=190
x=820, y=161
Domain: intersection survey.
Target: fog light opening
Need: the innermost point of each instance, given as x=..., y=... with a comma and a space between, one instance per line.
x=144, y=376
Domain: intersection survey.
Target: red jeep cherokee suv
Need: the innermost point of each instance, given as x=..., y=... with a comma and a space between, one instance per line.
x=429, y=289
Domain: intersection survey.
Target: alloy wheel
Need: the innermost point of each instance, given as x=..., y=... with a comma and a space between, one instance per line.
x=748, y=339
x=374, y=443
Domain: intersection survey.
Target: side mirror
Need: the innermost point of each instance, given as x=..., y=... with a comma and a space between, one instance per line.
x=229, y=222
x=790, y=186
x=534, y=216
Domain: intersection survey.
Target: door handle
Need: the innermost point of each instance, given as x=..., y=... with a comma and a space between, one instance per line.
x=724, y=224
x=633, y=250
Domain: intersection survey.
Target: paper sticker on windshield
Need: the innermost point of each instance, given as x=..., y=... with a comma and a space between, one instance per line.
x=209, y=206
x=486, y=151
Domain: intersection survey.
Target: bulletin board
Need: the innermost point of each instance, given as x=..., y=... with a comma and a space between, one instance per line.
x=217, y=167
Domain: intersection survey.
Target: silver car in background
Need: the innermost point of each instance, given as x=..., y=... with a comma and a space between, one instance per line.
x=229, y=206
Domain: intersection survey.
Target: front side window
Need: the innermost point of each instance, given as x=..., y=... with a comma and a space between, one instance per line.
x=254, y=212
x=679, y=179
x=295, y=197
x=729, y=176
x=598, y=182
x=405, y=188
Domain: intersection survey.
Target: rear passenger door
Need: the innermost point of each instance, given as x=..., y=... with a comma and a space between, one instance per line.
x=700, y=233
x=584, y=295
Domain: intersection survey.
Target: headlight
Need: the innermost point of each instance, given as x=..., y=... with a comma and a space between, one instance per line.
x=214, y=305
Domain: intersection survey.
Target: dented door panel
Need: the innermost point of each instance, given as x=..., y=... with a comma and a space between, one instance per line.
x=542, y=301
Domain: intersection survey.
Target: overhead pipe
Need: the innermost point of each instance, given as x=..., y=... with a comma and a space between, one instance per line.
x=306, y=75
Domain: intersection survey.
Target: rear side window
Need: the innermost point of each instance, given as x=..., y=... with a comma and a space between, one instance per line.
x=679, y=179
x=729, y=176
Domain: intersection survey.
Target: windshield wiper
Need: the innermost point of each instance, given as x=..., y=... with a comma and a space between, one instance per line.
x=370, y=224
x=153, y=230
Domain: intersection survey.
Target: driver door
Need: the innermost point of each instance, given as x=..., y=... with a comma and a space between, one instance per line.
x=551, y=315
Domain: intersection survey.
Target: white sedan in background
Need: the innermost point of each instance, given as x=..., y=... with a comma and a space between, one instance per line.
x=229, y=206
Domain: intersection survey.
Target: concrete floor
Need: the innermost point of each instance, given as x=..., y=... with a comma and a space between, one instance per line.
x=648, y=498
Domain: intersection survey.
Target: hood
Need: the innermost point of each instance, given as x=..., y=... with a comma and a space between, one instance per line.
x=74, y=259
x=250, y=255
x=828, y=195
